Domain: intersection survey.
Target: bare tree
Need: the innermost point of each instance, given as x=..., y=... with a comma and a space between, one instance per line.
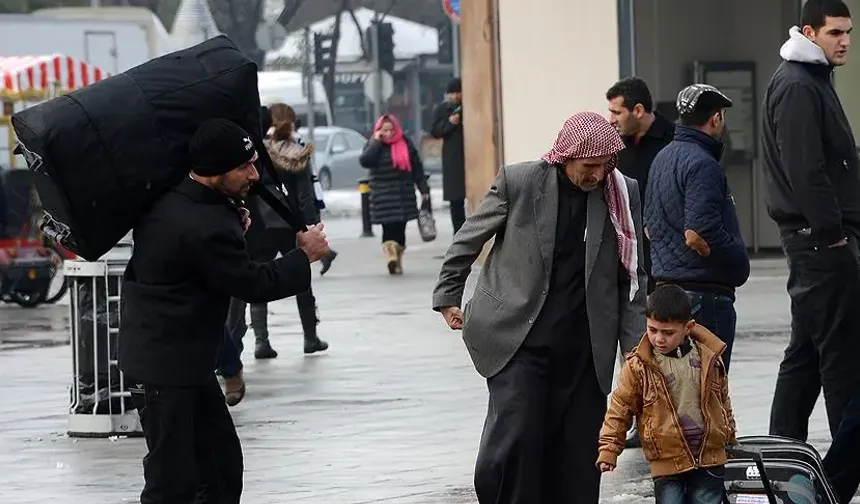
x=365, y=51
x=239, y=21
x=291, y=8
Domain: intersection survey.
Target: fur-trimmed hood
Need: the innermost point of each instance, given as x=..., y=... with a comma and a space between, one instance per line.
x=288, y=155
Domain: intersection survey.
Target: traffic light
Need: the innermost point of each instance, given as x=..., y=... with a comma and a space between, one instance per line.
x=323, y=54
x=445, y=53
x=385, y=44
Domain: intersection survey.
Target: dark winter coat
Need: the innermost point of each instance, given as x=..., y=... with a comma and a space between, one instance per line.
x=189, y=259
x=392, y=191
x=266, y=225
x=687, y=189
x=453, y=154
x=809, y=152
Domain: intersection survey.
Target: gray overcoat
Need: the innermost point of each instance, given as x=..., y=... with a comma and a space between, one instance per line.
x=520, y=211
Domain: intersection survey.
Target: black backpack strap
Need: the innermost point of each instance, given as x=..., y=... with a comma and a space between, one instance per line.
x=286, y=208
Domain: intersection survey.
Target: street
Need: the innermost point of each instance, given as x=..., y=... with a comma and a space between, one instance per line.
x=392, y=413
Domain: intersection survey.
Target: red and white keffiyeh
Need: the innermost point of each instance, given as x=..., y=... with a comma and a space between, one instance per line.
x=586, y=135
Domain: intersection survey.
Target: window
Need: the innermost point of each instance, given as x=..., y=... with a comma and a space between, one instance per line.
x=320, y=141
x=339, y=144
x=355, y=141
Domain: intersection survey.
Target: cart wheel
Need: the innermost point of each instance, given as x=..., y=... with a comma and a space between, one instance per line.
x=57, y=262
x=29, y=300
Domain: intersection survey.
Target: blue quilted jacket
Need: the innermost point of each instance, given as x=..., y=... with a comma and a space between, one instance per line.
x=687, y=189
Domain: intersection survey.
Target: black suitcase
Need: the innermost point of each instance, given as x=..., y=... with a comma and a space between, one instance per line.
x=103, y=154
x=775, y=470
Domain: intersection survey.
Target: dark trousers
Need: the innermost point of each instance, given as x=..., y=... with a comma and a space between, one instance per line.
x=283, y=241
x=716, y=312
x=652, y=284
x=540, y=437
x=230, y=359
x=824, y=286
x=394, y=231
x=700, y=486
x=194, y=454
x=840, y=463
x=458, y=214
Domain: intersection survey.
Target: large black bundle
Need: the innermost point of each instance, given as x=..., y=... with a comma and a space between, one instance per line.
x=103, y=154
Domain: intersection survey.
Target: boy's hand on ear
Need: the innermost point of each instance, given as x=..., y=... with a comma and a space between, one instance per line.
x=697, y=243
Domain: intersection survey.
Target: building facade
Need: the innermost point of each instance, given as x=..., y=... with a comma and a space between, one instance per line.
x=529, y=65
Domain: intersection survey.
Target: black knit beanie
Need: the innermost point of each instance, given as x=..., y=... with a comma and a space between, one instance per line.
x=455, y=86
x=219, y=146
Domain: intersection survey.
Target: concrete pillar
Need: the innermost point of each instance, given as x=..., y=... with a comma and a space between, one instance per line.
x=526, y=67
x=557, y=57
x=478, y=64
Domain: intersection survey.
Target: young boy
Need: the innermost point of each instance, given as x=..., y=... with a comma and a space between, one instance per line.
x=675, y=384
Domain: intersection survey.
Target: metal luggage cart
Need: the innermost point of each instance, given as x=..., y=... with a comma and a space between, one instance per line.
x=101, y=404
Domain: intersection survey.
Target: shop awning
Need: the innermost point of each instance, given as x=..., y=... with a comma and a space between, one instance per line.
x=37, y=77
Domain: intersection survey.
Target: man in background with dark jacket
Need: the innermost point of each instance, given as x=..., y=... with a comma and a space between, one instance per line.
x=696, y=241
x=448, y=125
x=189, y=259
x=645, y=132
x=813, y=184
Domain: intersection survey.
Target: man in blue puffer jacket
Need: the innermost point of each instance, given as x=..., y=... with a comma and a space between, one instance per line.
x=696, y=241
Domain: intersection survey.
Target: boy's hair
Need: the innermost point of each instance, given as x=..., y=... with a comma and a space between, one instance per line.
x=669, y=303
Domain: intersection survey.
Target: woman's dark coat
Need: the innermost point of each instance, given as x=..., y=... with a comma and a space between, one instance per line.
x=453, y=154
x=392, y=191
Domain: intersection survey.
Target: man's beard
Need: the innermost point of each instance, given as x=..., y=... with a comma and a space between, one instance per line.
x=236, y=194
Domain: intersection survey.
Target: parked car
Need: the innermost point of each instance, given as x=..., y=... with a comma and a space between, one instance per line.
x=336, y=156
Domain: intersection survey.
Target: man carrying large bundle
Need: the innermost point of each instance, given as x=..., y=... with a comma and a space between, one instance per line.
x=189, y=259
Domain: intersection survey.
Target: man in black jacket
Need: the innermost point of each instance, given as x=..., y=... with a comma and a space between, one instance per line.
x=813, y=184
x=189, y=259
x=448, y=125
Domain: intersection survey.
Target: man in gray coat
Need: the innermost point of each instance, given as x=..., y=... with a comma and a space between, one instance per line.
x=561, y=287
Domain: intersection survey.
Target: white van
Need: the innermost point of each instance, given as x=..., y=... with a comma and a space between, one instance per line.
x=287, y=87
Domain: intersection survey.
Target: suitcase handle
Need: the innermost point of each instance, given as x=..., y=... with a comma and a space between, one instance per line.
x=755, y=454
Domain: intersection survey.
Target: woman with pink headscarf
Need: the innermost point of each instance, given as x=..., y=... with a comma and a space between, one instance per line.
x=395, y=171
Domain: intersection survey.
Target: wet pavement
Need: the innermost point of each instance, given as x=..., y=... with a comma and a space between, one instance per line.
x=392, y=413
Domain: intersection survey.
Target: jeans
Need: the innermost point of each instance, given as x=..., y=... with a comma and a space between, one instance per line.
x=229, y=360
x=699, y=486
x=840, y=463
x=716, y=312
x=824, y=287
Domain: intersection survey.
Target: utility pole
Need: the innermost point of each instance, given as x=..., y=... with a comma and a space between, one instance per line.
x=377, y=69
x=308, y=70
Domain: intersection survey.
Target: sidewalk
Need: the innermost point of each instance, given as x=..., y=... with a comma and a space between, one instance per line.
x=392, y=413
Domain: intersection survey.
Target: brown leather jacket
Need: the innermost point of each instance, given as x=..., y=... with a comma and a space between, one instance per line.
x=642, y=392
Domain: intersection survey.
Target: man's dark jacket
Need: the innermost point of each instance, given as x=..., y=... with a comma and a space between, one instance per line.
x=810, y=157
x=688, y=190
x=189, y=259
x=453, y=153
x=635, y=160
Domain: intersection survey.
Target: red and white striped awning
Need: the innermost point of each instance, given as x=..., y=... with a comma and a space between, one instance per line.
x=23, y=77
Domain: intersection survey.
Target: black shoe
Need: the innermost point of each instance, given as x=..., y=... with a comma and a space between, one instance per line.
x=263, y=350
x=326, y=262
x=633, y=440
x=314, y=344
